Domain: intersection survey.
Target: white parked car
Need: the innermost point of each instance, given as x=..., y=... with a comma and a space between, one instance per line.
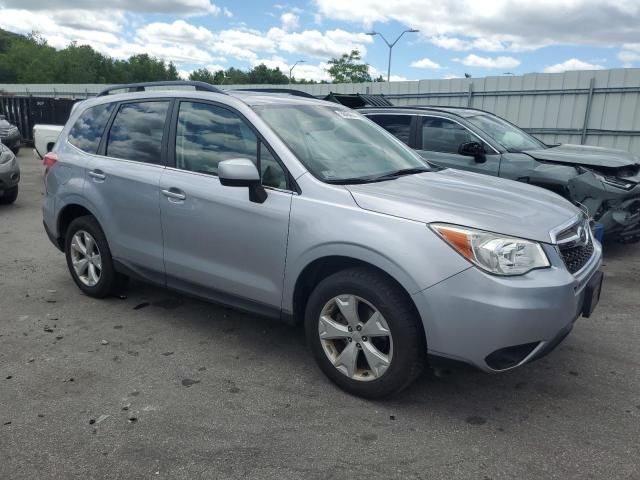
x=45, y=137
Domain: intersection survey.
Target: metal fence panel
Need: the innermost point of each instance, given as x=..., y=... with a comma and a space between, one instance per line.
x=591, y=107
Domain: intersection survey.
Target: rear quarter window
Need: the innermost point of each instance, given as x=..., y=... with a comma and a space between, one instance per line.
x=137, y=131
x=87, y=132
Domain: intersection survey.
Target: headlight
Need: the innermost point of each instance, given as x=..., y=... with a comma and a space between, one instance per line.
x=492, y=252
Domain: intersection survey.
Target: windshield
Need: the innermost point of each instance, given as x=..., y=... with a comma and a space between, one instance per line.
x=339, y=145
x=507, y=135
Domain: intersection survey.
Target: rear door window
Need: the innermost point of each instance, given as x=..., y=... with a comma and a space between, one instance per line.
x=136, y=132
x=87, y=132
x=397, y=125
x=444, y=135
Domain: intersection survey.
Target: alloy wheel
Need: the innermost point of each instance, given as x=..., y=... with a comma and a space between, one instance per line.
x=355, y=337
x=86, y=259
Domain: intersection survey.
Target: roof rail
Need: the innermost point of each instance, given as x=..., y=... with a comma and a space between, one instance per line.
x=435, y=108
x=288, y=91
x=141, y=87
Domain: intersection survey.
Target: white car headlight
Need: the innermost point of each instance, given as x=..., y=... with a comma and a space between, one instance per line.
x=493, y=252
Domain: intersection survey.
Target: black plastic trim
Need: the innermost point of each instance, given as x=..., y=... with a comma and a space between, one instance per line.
x=509, y=356
x=57, y=241
x=197, y=291
x=222, y=298
x=287, y=91
x=142, y=86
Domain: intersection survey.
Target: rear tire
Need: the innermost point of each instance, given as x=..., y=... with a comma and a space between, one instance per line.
x=385, y=363
x=9, y=196
x=16, y=151
x=96, y=276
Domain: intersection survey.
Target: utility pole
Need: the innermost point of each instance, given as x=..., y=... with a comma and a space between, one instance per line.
x=391, y=45
x=291, y=69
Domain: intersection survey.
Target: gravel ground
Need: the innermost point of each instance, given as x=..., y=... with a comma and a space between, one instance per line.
x=157, y=385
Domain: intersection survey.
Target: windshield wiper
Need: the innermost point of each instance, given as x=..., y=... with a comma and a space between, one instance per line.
x=348, y=181
x=399, y=173
x=378, y=178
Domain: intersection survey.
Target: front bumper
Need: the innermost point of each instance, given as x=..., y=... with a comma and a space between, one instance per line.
x=473, y=315
x=12, y=141
x=622, y=220
x=617, y=210
x=9, y=175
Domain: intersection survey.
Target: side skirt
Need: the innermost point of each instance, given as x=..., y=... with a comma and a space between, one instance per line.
x=200, y=292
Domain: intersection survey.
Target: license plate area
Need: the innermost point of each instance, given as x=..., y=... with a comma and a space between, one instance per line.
x=592, y=294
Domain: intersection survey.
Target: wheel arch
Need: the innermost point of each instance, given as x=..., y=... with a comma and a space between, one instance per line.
x=68, y=214
x=324, y=266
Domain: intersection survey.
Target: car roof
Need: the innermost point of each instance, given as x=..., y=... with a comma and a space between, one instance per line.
x=459, y=111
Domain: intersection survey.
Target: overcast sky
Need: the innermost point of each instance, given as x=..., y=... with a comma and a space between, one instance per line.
x=489, y=37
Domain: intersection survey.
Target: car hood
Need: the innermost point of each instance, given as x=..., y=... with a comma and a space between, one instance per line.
x=585, y=155
x=469, y=199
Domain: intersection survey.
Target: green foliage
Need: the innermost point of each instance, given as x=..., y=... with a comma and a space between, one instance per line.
x=346, y=69
x=263, y=74
x=31, y=60
x=203, y=75
x=260, y=74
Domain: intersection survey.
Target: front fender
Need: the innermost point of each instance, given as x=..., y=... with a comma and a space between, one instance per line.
x=406, y=250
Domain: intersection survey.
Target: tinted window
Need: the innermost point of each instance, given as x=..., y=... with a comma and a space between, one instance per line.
x=207, y=134
x=398, y=125
x=87, y=132
x=442, y=135
x=136, y=133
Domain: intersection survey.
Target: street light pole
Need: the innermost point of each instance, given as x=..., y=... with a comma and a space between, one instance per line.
x=291, y=69
x=391, y=45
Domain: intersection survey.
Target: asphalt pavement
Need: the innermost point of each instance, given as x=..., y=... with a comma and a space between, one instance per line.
x=159, y=385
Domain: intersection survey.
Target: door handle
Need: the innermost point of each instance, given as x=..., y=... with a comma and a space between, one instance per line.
x=97, y=174
x=174, y=193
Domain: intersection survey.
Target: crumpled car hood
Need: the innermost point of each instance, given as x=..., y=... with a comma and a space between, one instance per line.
x=585, y=155
x=469, y=199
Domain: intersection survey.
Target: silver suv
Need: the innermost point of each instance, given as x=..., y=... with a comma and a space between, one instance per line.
x=305, y=210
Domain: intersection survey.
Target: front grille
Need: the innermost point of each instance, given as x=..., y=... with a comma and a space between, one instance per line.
x=576, y=256
x=575, y=245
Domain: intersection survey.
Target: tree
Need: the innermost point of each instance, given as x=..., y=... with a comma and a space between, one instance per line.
x=203, y=75
x=263, y=74
x=29, y=59
x=346, y=70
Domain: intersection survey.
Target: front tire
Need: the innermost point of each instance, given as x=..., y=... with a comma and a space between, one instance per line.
x=9, y=196
x=365, y=333
x=89, y=259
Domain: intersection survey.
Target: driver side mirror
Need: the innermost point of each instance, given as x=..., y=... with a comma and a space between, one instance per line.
x=241, y=172
x=472, y=149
